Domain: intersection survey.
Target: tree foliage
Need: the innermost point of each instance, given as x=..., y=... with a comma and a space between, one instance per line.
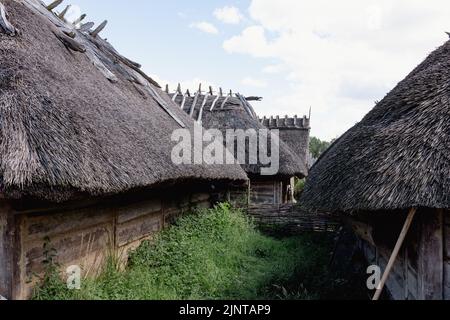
x=317, y=146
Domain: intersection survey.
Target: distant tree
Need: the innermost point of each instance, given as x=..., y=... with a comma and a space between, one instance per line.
x=317, y=146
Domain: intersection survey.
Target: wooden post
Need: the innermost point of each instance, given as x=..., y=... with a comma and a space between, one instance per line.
x=54, y=4
x=395, y=253
x=99, y=29
x=431, y=256
x=197, y=95
x=64, y=12
x=7, y=247
x=81, y=18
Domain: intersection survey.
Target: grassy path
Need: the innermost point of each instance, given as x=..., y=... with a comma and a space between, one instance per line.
x=214, y=254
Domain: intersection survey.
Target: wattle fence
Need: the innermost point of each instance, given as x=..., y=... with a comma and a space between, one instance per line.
x=289, y=218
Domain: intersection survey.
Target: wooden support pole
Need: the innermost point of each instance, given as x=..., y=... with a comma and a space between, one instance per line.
x=200, y=114
x=69, y=42
x=177, y=92
x=54, y=4
x=99, y=29
x=224, y=102
x=395, y=253
x=214, y=103
x=210, y=90
x=81, y=18
x=184, y=101
x=64, y=12
x=197, y=95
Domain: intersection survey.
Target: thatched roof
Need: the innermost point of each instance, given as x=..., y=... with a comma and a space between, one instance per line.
x=398, y=156
x=77, y=117
x=294, y=132
x=233, y=111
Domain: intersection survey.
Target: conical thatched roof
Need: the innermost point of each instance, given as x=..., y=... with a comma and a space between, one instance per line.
x=235, y=112
x=77, y=117
x=398, y=156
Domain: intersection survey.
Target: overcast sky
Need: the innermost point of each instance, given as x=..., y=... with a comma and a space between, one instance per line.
x=336, y=57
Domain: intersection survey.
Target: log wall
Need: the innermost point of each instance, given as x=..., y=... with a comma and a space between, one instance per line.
x=84, y=235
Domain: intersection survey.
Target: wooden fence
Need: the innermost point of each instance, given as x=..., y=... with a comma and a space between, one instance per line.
x=291, y=219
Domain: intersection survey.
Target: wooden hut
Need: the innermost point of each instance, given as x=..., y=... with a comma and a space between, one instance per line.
x=233, y=111
x=85, y=150
x=390, y=175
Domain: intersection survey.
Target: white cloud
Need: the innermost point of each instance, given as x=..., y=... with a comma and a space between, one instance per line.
x=230, y=15
x=253, y=82
x=252, y=41
x=205, y=27
x=340, y=56
x=274, y=68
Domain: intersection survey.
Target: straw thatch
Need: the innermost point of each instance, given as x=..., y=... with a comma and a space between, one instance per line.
x=77, y=117
x=235, y=112
x=398, y=156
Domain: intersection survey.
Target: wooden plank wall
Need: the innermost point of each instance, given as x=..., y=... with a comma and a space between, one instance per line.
x=6, y=253
x=266, y=192
x=418, y=273
x=86, y=236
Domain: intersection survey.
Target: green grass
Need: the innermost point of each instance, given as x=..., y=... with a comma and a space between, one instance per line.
x=213, y=254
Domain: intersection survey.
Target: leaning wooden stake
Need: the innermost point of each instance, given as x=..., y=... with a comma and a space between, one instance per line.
x=99, y=28
x=64, y=12
x=395, y=253
x=78, y=21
